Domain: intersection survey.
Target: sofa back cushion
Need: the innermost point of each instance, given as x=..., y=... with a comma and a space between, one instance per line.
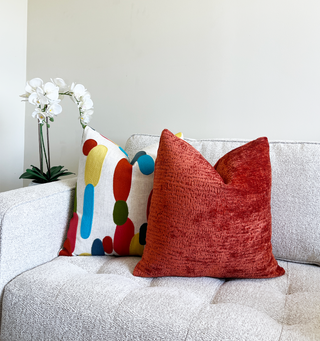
x=295, y=193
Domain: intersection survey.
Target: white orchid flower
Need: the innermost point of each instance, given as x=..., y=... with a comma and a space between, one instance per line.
x=38, y=98
x=39, y=115
x=86, y=104
x=51, y=91
x=54, y=109
x=25, y=97
x=78, y=90
x=43, y=99
x=46, y=98
x=59, y=82
x=34, y=99
x=88, y=112
x=85, y=119
x=31, y=87
x=86, y=95
x=33, y=84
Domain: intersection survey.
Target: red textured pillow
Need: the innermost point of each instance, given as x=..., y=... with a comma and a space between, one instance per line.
x=210, y=221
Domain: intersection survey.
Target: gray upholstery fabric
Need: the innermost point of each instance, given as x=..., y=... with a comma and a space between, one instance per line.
x=295, y=201
x=33, y=222
x=98, y=298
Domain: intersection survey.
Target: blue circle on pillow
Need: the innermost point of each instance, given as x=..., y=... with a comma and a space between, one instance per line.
x=146, y=164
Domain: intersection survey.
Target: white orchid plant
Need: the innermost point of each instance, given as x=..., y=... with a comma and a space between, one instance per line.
x=47, y=97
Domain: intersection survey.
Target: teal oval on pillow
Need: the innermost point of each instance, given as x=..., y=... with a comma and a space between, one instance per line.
x=146, y=164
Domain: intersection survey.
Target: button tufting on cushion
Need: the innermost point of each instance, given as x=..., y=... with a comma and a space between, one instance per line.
x=98, y=298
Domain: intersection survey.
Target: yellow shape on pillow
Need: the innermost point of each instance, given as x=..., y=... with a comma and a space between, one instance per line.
x=94, y=164
x=136, y=249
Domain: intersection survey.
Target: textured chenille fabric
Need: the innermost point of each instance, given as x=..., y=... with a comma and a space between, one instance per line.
x=210, y=221
x=98, y=299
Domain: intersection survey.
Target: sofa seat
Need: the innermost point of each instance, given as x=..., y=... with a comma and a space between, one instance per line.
x=98, y=298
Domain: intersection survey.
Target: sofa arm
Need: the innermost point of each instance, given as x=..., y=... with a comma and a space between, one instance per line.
x=33, y=223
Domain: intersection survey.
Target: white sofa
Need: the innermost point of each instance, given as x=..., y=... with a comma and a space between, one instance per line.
x=45, y=297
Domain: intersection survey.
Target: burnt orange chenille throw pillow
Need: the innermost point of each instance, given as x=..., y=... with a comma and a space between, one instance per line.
x=210, y=221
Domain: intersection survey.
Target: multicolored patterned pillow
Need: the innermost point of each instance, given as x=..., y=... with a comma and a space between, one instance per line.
x=110, y=215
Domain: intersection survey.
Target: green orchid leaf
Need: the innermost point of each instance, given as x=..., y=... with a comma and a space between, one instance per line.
x=60, y=174
x=26, y=175
x=37, y=175
x=54, y=170
x=37, y=170
x=30, y=175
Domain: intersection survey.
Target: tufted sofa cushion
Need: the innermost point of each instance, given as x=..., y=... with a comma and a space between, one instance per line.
x=98, y=298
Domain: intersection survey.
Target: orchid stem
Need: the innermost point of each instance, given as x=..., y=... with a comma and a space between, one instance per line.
x=43, y=148
x=40, y=147
x=49, y=166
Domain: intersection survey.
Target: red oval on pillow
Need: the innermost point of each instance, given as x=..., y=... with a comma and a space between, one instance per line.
x=107, y=244
x=122, y=180
x=88, y=145
x=122, y=238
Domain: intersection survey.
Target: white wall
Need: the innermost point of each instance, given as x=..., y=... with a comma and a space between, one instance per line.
x=13, y=42
x=208, y=68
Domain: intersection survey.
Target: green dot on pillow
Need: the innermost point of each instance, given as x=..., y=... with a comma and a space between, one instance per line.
x=120, y=212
